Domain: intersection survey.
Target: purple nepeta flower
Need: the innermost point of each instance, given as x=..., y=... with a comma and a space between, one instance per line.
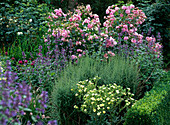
x=54, y=122
x=13, y=95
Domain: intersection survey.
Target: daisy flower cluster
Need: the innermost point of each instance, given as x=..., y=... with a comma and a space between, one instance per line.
x=106, y=100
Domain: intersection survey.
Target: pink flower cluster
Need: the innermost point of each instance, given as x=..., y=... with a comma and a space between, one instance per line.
x=82, y=28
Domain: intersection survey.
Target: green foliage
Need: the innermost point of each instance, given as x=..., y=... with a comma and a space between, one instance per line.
x=150, y=69
x=117, y=70
x=153, y=109
x=104, y=104
x=21, y=17
x=157, y=12
x=99, y=6
x=26, y=45
x=57, y=3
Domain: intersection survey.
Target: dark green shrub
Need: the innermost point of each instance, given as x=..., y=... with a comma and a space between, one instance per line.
x=99, y=6
x=118, y=70
x=21, y=17
x=63, y=4
x=153, y=109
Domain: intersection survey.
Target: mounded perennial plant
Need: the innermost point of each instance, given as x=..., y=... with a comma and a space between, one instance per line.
x=104, y=104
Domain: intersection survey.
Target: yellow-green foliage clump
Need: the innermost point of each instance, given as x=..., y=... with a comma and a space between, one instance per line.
x=154, y=108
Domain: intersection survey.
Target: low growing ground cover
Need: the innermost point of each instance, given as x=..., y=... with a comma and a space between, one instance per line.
x=81, y=71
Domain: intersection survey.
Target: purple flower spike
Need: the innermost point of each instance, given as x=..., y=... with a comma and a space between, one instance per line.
x=54, y=122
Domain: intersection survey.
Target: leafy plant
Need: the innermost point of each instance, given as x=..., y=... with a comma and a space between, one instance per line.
x=20, y=18
x=43, y=70
x=153, y=108
x=104, y=104
x=149, y=59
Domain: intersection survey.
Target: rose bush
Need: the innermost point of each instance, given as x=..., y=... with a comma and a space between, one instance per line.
x=82, y=29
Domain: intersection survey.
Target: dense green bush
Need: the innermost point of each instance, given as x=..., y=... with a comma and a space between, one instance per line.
x=153, y=109
x=117, y=70
x=21, y=17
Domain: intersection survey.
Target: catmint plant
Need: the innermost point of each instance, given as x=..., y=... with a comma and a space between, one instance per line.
x=18, y=104
x=14, y=96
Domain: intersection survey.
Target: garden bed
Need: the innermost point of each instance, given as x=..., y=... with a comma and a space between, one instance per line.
x=68, y=68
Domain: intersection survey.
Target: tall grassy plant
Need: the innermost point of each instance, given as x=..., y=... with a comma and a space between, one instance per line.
x=116, y=70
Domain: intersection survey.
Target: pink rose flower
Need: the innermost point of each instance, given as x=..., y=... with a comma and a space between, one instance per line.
x=132, y=6
x=105, y=56
x=117, y=27
x=79, y=50
x=111, y=54
x=20, y=62
x=45, y=40
x=124, y=7
x=84, y=53
x=53, y=34
x=90, y=26
x=107, y=11
x=116, y=8
x=78, y=43
x=126, y=38
x=133, y=40
x=125, y=26
x=73, y=57
x=80, y=55
x=121, y=15
x=88, y=8
x=127, y=11
x=123, y=29
x=49, y=17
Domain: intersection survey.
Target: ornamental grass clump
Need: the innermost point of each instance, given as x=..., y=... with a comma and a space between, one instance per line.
x=105, y=104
